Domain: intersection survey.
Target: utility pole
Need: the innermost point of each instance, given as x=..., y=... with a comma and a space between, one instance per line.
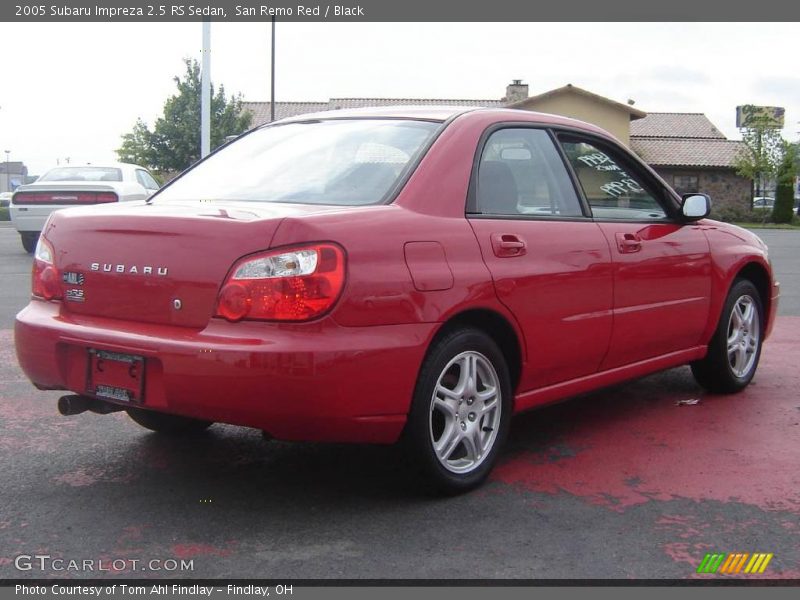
x=272, y=76
x=205, y=93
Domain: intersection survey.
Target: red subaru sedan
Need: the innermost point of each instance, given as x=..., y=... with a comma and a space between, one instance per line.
x=414, y=273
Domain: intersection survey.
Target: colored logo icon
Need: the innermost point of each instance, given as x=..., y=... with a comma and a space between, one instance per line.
x=735, y=563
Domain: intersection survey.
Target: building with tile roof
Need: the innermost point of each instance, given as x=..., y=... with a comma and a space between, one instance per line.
x=692, y=155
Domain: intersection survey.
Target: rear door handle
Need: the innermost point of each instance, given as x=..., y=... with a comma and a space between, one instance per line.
x=628, y=243
x=506, y=245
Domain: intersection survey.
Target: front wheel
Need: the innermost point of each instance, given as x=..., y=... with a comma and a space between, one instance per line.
x=164, y=423
x=29, y=240
x=461, y=410
x=735, y=349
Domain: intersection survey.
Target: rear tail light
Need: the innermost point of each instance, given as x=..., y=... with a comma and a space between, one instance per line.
x=284, y=285
x=67, y=198
x=46, y=282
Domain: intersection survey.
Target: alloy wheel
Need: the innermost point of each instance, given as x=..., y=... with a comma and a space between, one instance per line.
x=744, y=330
x=465, y=412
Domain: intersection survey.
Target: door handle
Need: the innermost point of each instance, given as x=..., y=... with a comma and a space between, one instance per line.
x=506, y=245
x=628, y=242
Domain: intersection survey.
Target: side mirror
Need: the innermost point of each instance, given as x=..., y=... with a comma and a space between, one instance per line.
x=696, y=206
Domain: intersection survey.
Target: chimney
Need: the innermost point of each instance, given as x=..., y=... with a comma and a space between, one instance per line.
x=516, y=92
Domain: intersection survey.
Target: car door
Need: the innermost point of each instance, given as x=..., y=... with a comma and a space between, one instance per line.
x=662, y=266
x=549, y=261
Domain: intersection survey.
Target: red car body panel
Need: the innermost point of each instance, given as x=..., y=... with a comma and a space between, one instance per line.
x=584, y=312
x=567, y=268
x=661, y=290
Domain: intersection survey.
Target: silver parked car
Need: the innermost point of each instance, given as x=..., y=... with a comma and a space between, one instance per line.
x=763, y=203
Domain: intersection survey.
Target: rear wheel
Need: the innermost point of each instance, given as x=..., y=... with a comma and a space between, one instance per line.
x=29, y=240
x=461, y=410
x=735, y=349
x=164, y=423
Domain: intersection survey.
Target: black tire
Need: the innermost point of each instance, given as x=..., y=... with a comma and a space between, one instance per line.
x=29, y=240
x=426, y=424
x=715, y=372
x=164, y=423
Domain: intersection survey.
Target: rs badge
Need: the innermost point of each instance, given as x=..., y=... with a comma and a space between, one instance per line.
x=74, y=295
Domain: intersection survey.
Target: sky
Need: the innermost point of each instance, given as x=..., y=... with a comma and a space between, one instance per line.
x=73, y=89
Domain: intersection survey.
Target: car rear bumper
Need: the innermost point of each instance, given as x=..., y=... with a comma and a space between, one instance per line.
x=314, y=382
x=30, y=218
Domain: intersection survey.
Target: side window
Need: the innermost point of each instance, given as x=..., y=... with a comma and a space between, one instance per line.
x=145, y=179
x=612, y=191
x=521, y=173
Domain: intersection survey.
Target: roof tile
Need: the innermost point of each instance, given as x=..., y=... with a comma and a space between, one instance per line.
x=663, y=152
x=675, y=125
x=261, y=110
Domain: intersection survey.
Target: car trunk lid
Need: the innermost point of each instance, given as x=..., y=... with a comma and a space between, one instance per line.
x=157, y=263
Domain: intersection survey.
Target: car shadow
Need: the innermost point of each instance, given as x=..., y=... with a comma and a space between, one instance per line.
x=232, y=466
x=539, y=429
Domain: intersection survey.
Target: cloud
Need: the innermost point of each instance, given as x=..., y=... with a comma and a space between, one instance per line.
x=787, y=89
x=676, y=74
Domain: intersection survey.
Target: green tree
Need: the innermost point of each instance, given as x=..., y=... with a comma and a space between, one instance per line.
x=174, y=142
x=762, y=151
x=784, y=191
x=137, y=146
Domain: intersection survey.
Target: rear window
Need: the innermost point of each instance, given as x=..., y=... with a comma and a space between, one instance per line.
x=339, y=162
x=82, y=174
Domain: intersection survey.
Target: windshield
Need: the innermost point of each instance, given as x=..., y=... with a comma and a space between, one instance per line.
x=340, y=162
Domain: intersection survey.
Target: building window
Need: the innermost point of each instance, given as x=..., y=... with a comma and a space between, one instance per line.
x=686, y=184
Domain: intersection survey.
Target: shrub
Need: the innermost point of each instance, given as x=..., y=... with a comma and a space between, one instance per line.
x=783, y=209
x=736, y=214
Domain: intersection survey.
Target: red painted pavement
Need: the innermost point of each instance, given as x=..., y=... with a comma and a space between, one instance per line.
x=744, y=447
x=731, y=462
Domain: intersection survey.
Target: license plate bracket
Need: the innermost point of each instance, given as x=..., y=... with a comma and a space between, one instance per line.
x=115, y=376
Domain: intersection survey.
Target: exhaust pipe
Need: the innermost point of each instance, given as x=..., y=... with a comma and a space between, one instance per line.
x=75, y=405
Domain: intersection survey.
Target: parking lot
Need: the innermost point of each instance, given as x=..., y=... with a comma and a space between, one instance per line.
x=624, y=483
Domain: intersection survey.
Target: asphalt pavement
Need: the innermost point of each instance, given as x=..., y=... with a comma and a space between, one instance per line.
x=622, y=483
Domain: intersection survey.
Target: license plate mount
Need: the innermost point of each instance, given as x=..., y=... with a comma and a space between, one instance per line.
x=115, y=376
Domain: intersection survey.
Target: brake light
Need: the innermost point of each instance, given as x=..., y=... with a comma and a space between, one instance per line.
x=284, y=285
x=98, y=198
x=45, y=280
x=64, y=198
